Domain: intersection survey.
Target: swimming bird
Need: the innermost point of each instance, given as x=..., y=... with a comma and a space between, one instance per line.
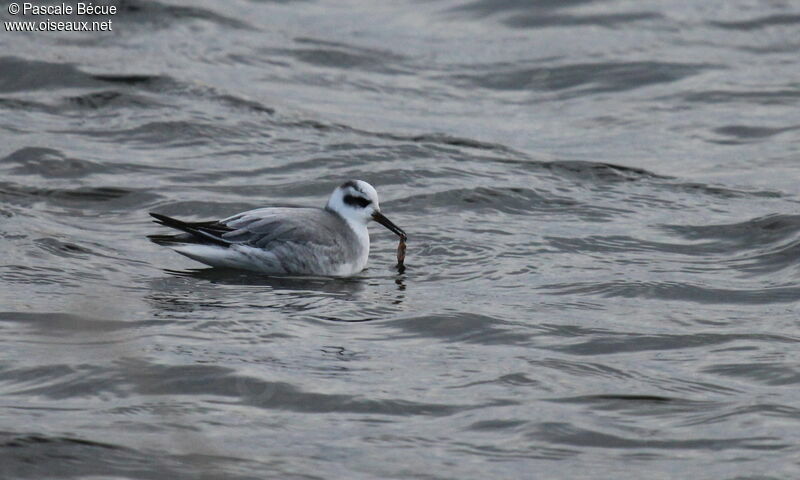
x=330, y=241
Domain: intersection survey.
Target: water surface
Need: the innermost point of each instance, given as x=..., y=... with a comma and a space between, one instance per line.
x=602, y=205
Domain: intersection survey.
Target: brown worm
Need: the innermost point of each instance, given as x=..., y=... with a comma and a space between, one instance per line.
x=401, y=253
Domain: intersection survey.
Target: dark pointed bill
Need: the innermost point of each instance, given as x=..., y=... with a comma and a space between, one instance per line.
x=378, y=217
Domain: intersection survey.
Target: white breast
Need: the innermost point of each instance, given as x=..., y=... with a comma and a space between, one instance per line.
x=362, y=234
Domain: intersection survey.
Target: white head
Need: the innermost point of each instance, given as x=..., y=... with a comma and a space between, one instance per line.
x=357, y=201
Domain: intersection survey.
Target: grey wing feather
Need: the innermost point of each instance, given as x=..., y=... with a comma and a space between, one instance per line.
x=304, y=228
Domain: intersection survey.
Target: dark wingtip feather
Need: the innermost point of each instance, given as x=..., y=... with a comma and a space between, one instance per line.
x=165, y=220
x=165, y=239
x=196, y=230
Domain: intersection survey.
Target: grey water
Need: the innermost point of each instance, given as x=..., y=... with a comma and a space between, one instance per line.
x=603, y=266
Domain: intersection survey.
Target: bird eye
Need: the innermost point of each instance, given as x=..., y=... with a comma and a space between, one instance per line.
x=354, y=201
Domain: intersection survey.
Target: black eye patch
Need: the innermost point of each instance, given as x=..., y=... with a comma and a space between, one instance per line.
x=354, y=201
